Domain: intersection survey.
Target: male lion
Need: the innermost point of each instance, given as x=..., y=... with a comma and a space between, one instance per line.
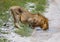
x=22, y=15
x=38, y=21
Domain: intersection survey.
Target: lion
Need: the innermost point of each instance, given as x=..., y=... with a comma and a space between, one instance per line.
x=24, y=16
x=19, y=15
x=39, y=21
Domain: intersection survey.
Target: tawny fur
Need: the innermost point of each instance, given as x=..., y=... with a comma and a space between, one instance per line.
x=22, y=15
